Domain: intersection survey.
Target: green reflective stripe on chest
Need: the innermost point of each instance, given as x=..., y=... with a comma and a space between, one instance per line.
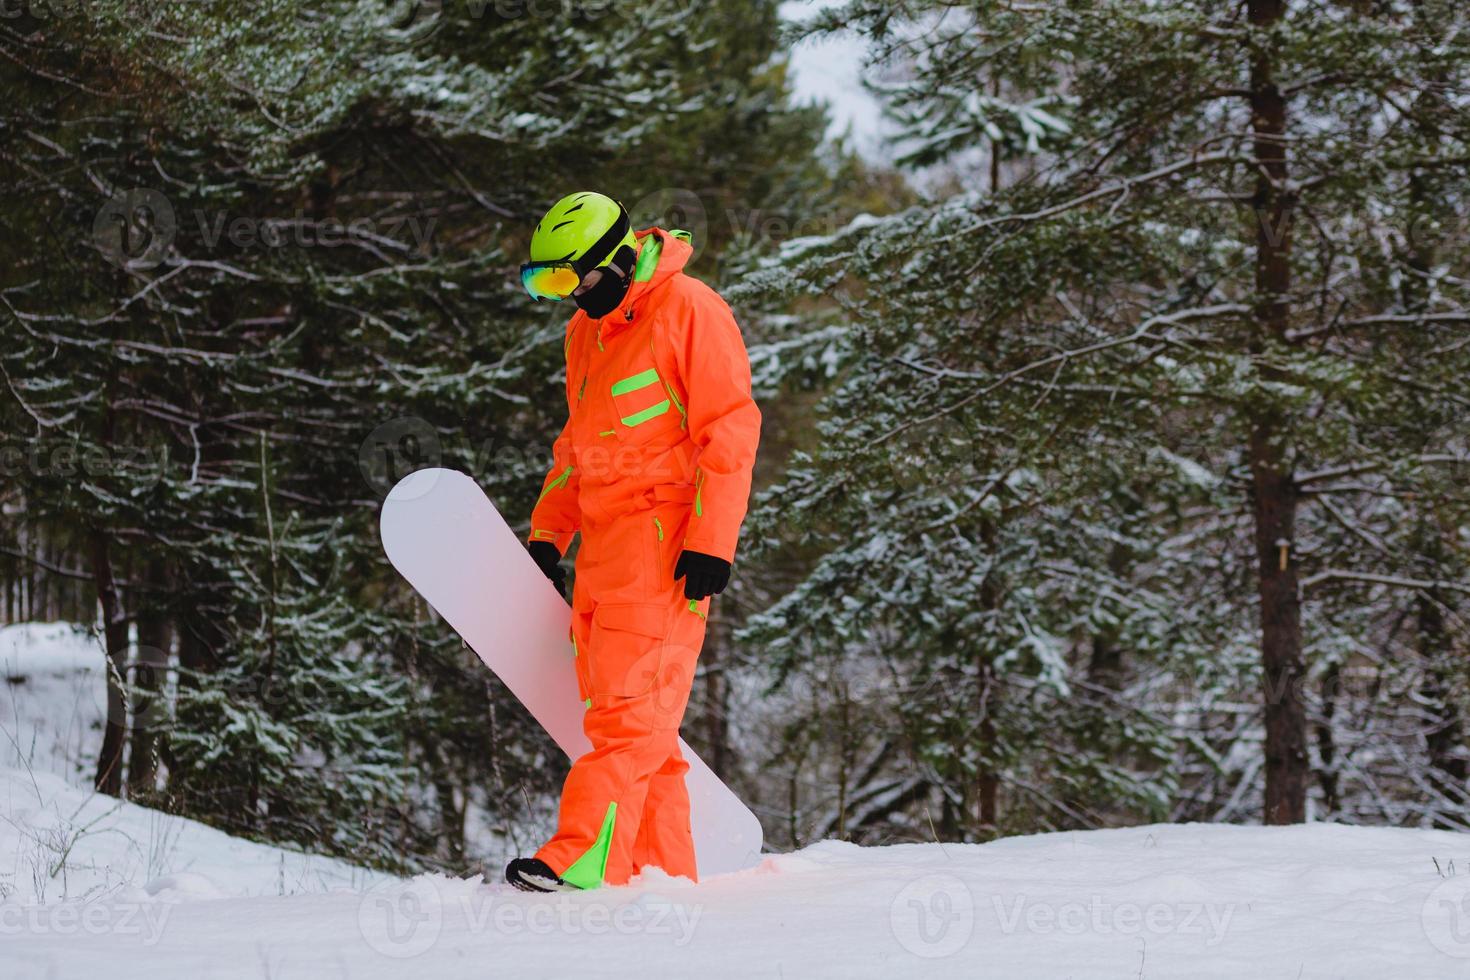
x=653, y=411
x=636, y=382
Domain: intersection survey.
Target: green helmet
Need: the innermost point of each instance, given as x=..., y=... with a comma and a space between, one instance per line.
x=575, y=226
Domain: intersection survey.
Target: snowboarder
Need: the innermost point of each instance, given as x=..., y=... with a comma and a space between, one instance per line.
x=653, y=467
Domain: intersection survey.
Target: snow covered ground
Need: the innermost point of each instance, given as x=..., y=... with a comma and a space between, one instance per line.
x=53, y=699
x=90, y=886
x=66, y=847
x=1161, y=901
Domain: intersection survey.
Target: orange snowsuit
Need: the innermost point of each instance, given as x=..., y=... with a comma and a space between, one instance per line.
x=655, y=457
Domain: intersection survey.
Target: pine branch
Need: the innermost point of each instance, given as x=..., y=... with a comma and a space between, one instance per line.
x=1396, y=581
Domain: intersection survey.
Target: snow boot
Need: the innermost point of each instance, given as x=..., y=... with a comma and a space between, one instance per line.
x=535, y=875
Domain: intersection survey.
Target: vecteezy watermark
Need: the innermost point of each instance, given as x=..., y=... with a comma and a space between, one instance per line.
x=572, y=915
x=1445, y=916
x=402, y=446
x=141, y=465
x=397, y=448
x=148, y=709
x=134, y=229
x=673, y=208
x=933, y=916
x=402, y=920
x=1100, y=916
x=299, y=231
x=142, y=919
x=411, y=22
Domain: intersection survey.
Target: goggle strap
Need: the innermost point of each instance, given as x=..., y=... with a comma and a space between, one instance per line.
x=603, y=247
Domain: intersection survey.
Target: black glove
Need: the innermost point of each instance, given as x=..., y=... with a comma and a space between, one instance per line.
x=703, y=575
x=548, y=559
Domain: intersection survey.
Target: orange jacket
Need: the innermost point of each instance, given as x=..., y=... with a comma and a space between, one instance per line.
x=659, y=408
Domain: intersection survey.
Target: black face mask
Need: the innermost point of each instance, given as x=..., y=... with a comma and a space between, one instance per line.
x=609, y=290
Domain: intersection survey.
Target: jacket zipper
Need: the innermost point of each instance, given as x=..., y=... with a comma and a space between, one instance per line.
x=556, y=484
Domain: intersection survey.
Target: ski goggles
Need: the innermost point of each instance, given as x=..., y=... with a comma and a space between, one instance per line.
x=556, y=280
x=550, y=280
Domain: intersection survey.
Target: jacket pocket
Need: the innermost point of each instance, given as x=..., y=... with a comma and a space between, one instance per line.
x=626, y=648
x=579, y=664
x=641, y=404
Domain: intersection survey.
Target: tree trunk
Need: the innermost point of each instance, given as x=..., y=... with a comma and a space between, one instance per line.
x=149, y=707
x=1327, y=779
x=1281, y=631
x=115, y=638
x=1274, y=487
x=987, y=778
x=452, y=805
x=1105, y=663
x=1445, y=737
x=200, y=642
x=1444, y=742
x=716, y=698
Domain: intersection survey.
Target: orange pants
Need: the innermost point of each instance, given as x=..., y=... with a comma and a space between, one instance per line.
x=624, y=805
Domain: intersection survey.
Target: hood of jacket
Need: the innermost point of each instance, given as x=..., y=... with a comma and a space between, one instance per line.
x=673, y=252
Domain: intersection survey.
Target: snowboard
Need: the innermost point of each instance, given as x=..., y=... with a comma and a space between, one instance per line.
x=447, y=539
